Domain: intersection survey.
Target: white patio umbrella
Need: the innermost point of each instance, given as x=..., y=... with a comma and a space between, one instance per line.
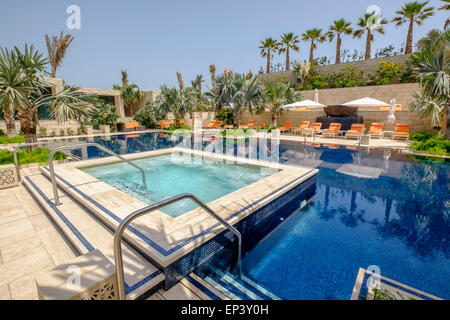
x=367, y=102
x=305, y=104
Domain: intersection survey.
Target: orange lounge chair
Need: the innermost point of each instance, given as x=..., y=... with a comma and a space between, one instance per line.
x=231, y=126
x=213, y=125
x=130, y=126
x=332, y=131
x=376, y=130
x=356, y=131
x=286, y=127
x=401, y=131
x=164, y=124
x=315, y=127
x=303, y=125
x=249, y=125
x=262, y=125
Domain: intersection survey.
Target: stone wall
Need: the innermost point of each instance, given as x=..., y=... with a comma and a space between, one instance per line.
x=364, y=65
x=148, y=96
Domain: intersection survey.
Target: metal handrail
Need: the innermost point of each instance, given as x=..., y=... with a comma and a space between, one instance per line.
x=123, y=225
x=75, y=146
x=16, y=161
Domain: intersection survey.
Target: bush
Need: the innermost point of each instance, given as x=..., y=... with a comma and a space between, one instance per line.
x=2, y=133
x=432, y=144
x=38, y=155
x=421, y=136
x=225, y=115
x=104, y=114
x=16, y=139
x=148, y=116
x=173, y=128
x=388, y=70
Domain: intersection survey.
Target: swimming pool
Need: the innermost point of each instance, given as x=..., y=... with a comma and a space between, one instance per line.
x=170, y=175
x=380, y=208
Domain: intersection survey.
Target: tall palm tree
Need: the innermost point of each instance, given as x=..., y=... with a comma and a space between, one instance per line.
x=431, y=67
x=180, y=81
x=412, y=12
x=288, y=41
x=268, y=46
x=337, y=29
x=57, y=48
x=131, y=93
x=369, y=24
x=446, y=7
x=278, y=95
x=23, y=88
x=178, y=102
x=314, y=36
x=197, y=82
x=212, y=71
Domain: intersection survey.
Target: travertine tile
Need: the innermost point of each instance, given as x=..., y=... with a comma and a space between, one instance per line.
x=41, y=222
x=63, y=257
x=4, y=292
x=20, y=248
x=15, y=227
x=12, y=214
x=23, y=266
x=23, y=289
x=52, y=241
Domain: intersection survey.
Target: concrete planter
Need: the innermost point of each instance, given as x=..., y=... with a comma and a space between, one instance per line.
x=105, y=129
x=89, y=130
x=8, y=176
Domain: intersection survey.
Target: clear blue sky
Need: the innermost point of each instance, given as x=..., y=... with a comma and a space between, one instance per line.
x=153, y=39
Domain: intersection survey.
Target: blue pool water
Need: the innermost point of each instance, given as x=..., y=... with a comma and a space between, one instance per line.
x=379, y=208
x=170, y=175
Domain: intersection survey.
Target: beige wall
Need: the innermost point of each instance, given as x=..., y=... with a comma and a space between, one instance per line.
x=401, y=92
x=148, y=96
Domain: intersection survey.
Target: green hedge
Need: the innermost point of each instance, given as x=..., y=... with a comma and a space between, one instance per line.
x=38, y=155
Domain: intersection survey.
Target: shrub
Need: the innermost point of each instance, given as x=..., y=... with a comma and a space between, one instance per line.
x=433, y=144
x=61, y=132
x=388, y=70
x=148, y=116
x=16, y=139
x=421, y=136
x=105, y=114
x=2, y=133
x=70, y=131
x=38, y=155
x=225, y=115
x=43, y=131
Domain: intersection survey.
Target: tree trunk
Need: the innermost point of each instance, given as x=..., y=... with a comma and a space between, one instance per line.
x=338, y=49
x=446, y=125
x=28, y=125
x=288, y=62
x=311, y=51
x=9, y=121
x=274, y=119
x=368, y=45
x=409, y=39
x=53, y=74
x=235, y=121
x=268, y=60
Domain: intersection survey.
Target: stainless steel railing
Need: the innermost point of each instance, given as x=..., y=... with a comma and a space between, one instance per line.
x=75, y=146
x=123, y=225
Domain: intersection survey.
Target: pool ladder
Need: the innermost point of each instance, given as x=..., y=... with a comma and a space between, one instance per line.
x=125, y=222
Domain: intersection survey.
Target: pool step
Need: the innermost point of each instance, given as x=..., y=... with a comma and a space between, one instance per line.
x=239, y=289
x=86, y=233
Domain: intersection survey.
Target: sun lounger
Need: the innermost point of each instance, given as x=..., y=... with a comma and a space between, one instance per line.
x=332, y=131
x=249, y=125
x=401, y=131
x=303, y=125
x=356, y=131
x=315, y=127
x=164, y=124
x=286, y=127
x=376, y=130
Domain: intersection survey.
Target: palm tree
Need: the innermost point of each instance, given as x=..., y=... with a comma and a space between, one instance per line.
x=130, y=93
x=288, y=41
x=339, y=28
x=412, y=12
x=239, y=92
x=180, y=81
x=446, y=7
x=57, y=48
x=314, y=36
x=268, y=46
x=197, y=82
x=23, y=89
x=278, y=95
x=431, y=67
x=178, y=102
x=369, y=24
x=302, y=71
x=212, y=71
